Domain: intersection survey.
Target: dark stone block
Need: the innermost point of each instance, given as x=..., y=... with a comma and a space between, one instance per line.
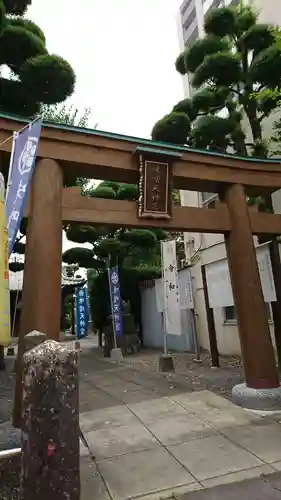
x=50, y=424
x=11, y=351
x=165, y=363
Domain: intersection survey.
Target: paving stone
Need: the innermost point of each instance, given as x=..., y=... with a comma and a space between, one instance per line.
x=106, y=417
x=173, y=430
x=276, y=465
x=263, y=441
x=144, y=473
x=150, y=411
x=274, y=480
x=202, y=396
x=117, y=389
x=133, y=397
x=92, y=485
x=114, y=441
x=92, y=400
x=237, y=477
x=216, y=410
x=252, y=489
x=213, y=457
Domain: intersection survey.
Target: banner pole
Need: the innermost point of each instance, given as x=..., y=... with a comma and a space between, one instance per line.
x=164, y=303
x=15, y=311
x=5, y=322
x=15, y=134
x=75, y=314
x=165, y=336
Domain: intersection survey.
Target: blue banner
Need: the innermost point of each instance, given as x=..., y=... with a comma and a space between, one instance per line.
x=82, y=313
x=115, y=299
x=22, y=164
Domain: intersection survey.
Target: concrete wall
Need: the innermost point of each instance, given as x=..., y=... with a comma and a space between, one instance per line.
x=152, y=323
x=227, y=331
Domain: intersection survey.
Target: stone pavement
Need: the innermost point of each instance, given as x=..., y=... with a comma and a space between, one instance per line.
x=152, y=440
x=264, y=488
x=156, y=437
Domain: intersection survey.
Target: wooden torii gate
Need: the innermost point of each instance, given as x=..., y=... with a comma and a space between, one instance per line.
x=157, y=167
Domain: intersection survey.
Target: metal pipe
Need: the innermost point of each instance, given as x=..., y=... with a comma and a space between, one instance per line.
x=9, y=453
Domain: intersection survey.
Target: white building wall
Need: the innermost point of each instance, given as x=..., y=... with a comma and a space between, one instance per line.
x=226, y=331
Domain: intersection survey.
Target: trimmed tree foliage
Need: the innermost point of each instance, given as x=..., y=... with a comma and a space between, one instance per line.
x=122, y=247
x=232, y=68
x=36, y=76
x=236, y=68
x=66, y=115
x=135, y=251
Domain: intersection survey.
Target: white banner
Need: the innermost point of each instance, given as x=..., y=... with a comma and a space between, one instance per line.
x=159, y=295
x=185, y=288
x=266, y=274
x=219, y=284
x=171, y=288
x=186, y=292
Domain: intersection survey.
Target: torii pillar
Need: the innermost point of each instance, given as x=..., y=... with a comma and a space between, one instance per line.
x=41, y=297
x=41, y=304
x=261, y=390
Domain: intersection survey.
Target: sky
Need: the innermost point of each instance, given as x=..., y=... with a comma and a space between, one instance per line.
x=123, y=53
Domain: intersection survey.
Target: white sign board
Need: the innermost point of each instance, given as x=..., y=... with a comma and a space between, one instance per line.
x=266, y=274
x=185, y=289
x=219, y=284
x=159, y=295
x=172, y=314
x=186, y=292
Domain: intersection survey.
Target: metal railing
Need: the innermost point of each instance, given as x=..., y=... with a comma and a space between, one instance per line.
x=4, y=454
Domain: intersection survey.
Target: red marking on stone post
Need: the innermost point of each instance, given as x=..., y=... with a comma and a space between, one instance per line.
x=51, y=449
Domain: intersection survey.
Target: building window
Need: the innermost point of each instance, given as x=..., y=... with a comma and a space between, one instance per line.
x=214, y=5
x=230, y=315
x=208, y=198
x=185, y=7
x=192, y=38
x=190, y=19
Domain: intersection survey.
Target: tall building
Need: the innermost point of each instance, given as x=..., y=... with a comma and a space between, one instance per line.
x=191, y=21
x=190, y=27
x=211, y=247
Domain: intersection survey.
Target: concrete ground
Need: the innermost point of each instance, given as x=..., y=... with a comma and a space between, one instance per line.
x=155, y=436
x=153, y=439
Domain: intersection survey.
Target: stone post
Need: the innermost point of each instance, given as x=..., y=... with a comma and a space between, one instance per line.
x=50, y=424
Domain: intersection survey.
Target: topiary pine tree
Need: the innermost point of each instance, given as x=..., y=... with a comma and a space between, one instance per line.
x=229, y=65
x=66, y=115
x=135, y=251
x=236, y=68
x=36, y=77
x=122, y=247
